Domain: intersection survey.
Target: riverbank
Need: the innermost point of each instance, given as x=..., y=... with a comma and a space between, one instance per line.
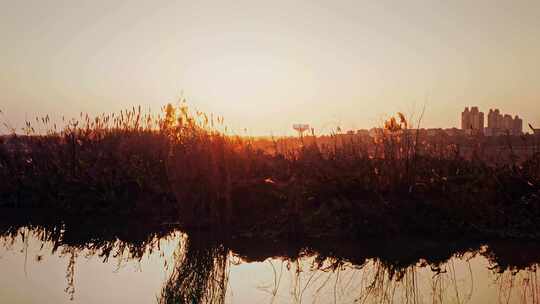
x=180, y=168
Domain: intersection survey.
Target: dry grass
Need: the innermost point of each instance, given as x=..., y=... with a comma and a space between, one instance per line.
x=183, y=165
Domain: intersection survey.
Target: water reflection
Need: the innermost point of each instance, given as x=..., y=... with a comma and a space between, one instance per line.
x=203, y=267
x=199, y=276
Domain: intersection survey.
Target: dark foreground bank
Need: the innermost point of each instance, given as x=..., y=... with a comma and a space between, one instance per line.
x=179, y=168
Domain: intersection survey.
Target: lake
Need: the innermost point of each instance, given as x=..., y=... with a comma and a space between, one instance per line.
x=62, y=263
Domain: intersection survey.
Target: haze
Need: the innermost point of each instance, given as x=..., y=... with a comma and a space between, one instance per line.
x=267, y=65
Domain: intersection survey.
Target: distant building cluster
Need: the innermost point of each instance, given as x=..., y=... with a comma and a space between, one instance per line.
x=430, y=132
x=472, y=123
x=501, y=124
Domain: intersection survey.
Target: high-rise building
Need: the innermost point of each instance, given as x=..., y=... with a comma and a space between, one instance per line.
x=493, y=118
x=499, y=124
x=465, y=119
x=480, y=120
x=472, y=121
x=508, y=122
x=517, y=126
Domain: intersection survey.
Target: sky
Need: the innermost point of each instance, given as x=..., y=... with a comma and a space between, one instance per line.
x=265, y=65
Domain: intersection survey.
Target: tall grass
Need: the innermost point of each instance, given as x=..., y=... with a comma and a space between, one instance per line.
x=184, y=165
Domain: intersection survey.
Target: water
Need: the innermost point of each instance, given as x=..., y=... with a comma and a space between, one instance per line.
x=72, y=264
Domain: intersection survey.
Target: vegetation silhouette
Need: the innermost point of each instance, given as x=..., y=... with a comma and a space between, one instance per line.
x=186, y=167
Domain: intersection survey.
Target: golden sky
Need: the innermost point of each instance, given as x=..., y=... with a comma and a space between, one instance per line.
x=265, y=65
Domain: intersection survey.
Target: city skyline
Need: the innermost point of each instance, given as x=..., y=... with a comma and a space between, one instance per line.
x=473, y=122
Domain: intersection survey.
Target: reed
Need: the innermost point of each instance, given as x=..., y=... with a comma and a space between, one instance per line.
x=186, y=166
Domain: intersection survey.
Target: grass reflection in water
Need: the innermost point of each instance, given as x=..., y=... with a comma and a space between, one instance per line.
x=202, y=265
